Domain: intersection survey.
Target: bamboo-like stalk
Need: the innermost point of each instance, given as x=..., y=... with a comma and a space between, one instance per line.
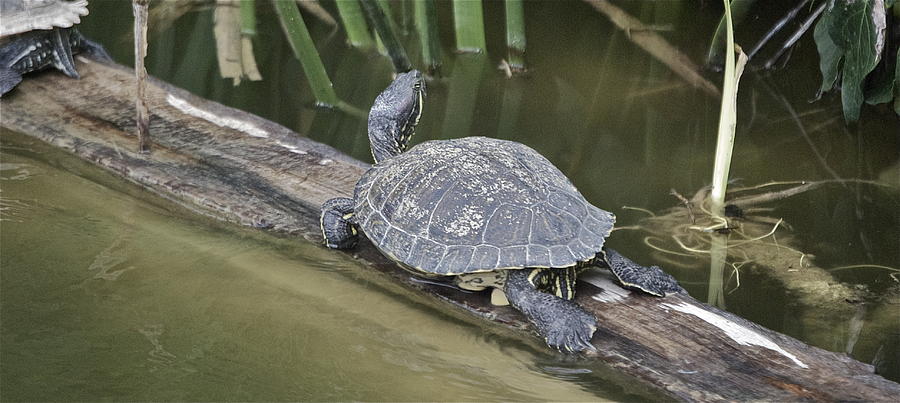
x=248, y=31
x=354, y=24
x=248, y=18
x=426, y=26
x=727, y=120
x=304, y=49
x=468, y=20
x=386, y=32
x=515, y=35
x=139, y=7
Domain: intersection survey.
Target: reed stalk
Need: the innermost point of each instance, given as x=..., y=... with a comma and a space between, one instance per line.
x=727, y=120
x=248, y=18
x=426, y=26
x=739, y=9
x=305, y=51
x=376, y=11
x=468, y=20
x=354, y=24
x=515, y=35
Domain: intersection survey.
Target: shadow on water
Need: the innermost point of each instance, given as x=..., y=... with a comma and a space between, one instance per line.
x=127, y=300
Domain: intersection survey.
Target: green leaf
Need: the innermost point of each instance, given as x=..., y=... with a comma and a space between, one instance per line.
x=854, y=32
x=830, y=54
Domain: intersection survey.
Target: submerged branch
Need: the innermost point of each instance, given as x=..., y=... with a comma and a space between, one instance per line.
x=654, y=44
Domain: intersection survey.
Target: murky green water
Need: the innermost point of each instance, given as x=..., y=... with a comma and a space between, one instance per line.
x=110, y=295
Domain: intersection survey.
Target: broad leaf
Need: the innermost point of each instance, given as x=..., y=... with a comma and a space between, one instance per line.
x=853, y=31
x=830, y=54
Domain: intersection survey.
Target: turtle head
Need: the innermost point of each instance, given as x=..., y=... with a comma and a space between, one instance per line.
x=395, y=114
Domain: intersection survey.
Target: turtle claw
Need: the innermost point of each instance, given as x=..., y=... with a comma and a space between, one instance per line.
x=564, y=325
x=571, y=331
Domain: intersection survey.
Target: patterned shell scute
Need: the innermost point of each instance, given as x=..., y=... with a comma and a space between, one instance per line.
x=477, y=204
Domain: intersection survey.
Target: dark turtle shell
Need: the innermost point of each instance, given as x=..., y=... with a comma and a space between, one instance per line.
x=477, y=204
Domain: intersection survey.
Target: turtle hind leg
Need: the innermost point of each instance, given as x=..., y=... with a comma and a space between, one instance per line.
x=338, y=226
x=631, y=275
x=9, y=79
x=564, y=325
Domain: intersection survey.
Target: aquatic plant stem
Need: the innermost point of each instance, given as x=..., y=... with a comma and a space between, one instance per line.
x=515, y=35
x=376, y=13
x=426, y=26
x=739, y=9
x=468, y=19
x=727, y=120
x=354, y=24
x=304, y=49
x=248, y=18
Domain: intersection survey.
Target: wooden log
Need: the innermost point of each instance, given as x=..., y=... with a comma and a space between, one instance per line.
x=239, y=168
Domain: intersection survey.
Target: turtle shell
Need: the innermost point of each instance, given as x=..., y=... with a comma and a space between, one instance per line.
x=477, y=204
x=26, y=15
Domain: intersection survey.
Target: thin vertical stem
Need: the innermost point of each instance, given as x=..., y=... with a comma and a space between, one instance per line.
x=426, y=25
x=468, y=20
x=248, y=18
x=739, y=9
x=386, y=32
x=139, y=7
x=354, y=23
x=727, y=120
x=304, y=49
x=515, y=34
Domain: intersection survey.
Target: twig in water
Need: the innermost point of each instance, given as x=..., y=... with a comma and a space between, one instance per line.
x=664, y=250
x=654, y=44
x=777, y=27
x=686, y=202
x=807, y=23
x=643, y=210
x=783, y=194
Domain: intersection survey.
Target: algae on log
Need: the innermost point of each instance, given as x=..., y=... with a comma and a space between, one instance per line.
x=240, y=168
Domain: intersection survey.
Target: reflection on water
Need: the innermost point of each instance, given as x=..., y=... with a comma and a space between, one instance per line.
x=105, y=296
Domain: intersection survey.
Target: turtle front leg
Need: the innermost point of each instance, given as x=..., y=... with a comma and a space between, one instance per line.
x=338, y=226
x=631, y=275
x=564, y=325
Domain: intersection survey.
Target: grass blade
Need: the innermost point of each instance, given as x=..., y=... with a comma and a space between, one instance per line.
x=376, y=12
x=468, y=20
x=305, y=51
x=515, y=35
x=354, y=24
x=426, y=25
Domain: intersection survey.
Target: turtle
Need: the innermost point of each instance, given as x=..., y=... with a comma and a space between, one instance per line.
x=485, y=213
x=35, y=34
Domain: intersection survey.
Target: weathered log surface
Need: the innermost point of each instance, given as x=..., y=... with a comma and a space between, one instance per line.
x=240, y=168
